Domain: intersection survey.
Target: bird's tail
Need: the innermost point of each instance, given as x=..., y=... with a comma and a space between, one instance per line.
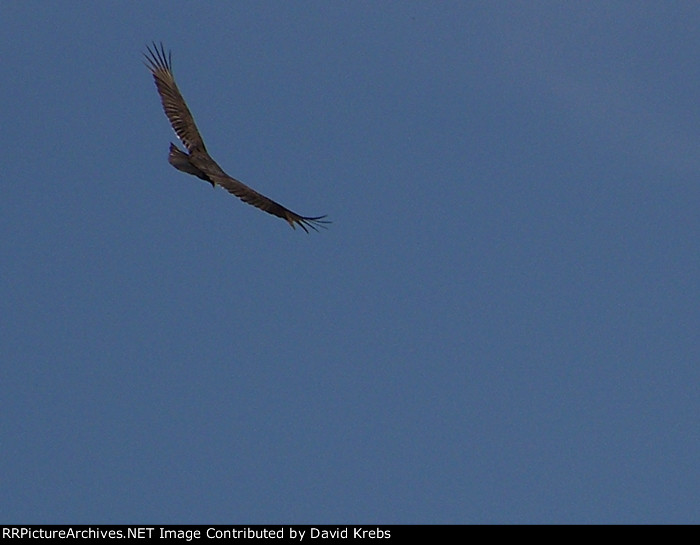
x=181, y=161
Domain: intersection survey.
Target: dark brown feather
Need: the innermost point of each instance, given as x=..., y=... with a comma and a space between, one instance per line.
x=176, y=110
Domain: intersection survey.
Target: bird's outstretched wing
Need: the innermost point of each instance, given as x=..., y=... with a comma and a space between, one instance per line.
x=198, y=162
x=160, y=65
x=215, y=176
x=250, y=196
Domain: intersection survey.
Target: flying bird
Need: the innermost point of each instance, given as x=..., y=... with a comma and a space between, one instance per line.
x=197, y=160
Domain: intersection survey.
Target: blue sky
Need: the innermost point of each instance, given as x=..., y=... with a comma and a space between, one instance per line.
x=501, y=324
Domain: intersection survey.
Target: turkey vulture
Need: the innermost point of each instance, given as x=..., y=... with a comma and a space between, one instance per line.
x=197, y=160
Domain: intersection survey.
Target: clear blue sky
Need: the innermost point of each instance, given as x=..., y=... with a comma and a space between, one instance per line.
x=501, y=325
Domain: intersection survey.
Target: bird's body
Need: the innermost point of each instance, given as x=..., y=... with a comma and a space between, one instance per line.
x=197, y=160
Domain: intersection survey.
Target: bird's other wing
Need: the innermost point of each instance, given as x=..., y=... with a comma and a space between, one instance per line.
x=250, y=196
x=160, y=64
